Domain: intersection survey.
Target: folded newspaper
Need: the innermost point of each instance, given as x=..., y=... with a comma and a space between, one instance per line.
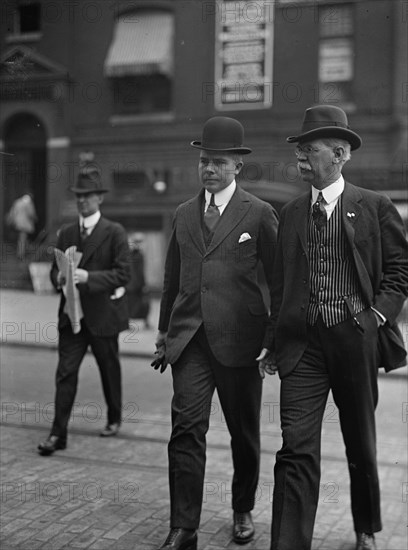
x=67, y=263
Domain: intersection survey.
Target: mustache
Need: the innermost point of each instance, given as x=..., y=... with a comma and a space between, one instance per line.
x=304, y=165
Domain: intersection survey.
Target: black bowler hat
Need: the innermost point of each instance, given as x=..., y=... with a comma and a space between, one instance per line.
x=88, y=181
x=223, y=134
x=326, y=121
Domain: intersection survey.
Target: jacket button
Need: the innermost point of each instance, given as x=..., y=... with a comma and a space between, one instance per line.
x=204, y=289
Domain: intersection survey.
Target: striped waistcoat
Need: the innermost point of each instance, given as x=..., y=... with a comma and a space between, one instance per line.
x=333, y=275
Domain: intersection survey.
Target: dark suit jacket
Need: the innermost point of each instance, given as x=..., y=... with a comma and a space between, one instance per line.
x=218, y=286
x=106, y=258
x=376, y=238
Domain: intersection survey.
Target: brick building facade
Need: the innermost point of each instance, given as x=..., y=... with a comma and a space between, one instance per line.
x=129, y=84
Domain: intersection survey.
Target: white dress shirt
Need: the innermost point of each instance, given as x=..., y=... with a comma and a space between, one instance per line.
x=331, y=195
x=221, y=198
x=89, y=222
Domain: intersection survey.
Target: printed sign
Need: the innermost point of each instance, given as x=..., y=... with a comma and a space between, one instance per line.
x=244, y=56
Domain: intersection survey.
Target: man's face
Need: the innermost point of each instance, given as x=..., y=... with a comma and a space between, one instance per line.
x=88, y=203
x=217, y=170
x=317, y=164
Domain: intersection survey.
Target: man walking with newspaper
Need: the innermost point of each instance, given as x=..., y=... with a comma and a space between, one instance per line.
x=101, y=275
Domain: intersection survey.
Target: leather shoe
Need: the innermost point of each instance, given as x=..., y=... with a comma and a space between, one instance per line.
x=243, y=530
x=365, y=541
x=180, y=539
x=51, y=444
x=110, y=430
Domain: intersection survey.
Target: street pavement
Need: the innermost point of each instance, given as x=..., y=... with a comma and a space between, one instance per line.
x=113, y=493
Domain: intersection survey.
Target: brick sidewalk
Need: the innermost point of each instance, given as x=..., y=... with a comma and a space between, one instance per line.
x=113, y=494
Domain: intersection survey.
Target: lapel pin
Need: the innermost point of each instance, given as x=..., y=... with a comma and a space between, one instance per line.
x=350, y=214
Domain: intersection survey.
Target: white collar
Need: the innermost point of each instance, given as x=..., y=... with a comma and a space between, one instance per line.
x=89, y=221
x=223, y=197
x=330, y=193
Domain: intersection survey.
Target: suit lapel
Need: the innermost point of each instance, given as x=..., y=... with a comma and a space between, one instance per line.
x=352, y=216
x=94, y=241
x=72, y=235
x=236, y=209
x=300, y=219
x=193, y=220
x=351, y=210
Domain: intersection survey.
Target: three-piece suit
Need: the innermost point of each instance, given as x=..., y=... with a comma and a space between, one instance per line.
x=215, y=317
x=343, y=358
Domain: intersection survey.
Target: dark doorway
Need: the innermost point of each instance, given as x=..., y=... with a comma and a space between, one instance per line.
x=25, y=170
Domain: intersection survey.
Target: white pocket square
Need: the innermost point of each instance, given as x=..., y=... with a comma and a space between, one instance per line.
x=244, y=237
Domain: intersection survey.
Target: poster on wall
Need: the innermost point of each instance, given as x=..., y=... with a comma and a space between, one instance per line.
x=243, y=54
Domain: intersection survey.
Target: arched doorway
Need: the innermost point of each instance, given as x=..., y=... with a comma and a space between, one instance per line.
x=25, y=171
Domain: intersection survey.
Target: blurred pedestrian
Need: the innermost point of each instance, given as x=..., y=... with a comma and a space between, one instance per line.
x=101, y=276
x=138, y=298
x=211, y=329
x=340, y=280
x=22, y=217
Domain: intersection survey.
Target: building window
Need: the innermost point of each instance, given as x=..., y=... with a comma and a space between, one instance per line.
x=29, y=16
x=140, y=62
x=336, y=55
x=26, y=19
x=142, y=94
x=24, y=23
x=130, y=181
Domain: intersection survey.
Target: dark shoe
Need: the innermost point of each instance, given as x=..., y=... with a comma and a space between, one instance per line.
x=53, y=443
x=181, y=539
x=365, y=541
x=243, y=530
x=109, y=430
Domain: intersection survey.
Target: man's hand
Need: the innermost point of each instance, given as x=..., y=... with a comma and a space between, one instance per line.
x=61, y=280
x=160, y=361
x=381, y=320
x=80, y=276
x=266, y=363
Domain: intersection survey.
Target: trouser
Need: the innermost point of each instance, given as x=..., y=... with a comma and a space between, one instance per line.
x=195, y=376
x=72, y=348
x=343, y=359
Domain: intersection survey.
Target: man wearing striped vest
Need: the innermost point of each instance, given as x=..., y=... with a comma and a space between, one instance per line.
x=340, y=278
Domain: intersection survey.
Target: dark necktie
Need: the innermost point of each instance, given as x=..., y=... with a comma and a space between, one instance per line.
x=319, y=213
x=84, y=232
x=212, y=214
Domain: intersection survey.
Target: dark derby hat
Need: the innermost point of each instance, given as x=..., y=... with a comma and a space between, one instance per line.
x=224, y=134
x=88, y=181
x=326, y=121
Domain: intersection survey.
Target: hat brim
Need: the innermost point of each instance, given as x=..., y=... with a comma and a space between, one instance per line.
x=329, y=132
x=80, y=191
x=237, y=150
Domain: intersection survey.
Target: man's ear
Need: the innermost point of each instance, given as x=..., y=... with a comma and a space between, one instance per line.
x=238, y=167
x=338, y=154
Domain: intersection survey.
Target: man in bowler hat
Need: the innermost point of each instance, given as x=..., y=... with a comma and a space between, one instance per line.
x=100, y=277
x=340, y=278
x=211, y=329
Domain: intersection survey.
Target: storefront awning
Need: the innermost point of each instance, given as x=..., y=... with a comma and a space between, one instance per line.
x=142, y=44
